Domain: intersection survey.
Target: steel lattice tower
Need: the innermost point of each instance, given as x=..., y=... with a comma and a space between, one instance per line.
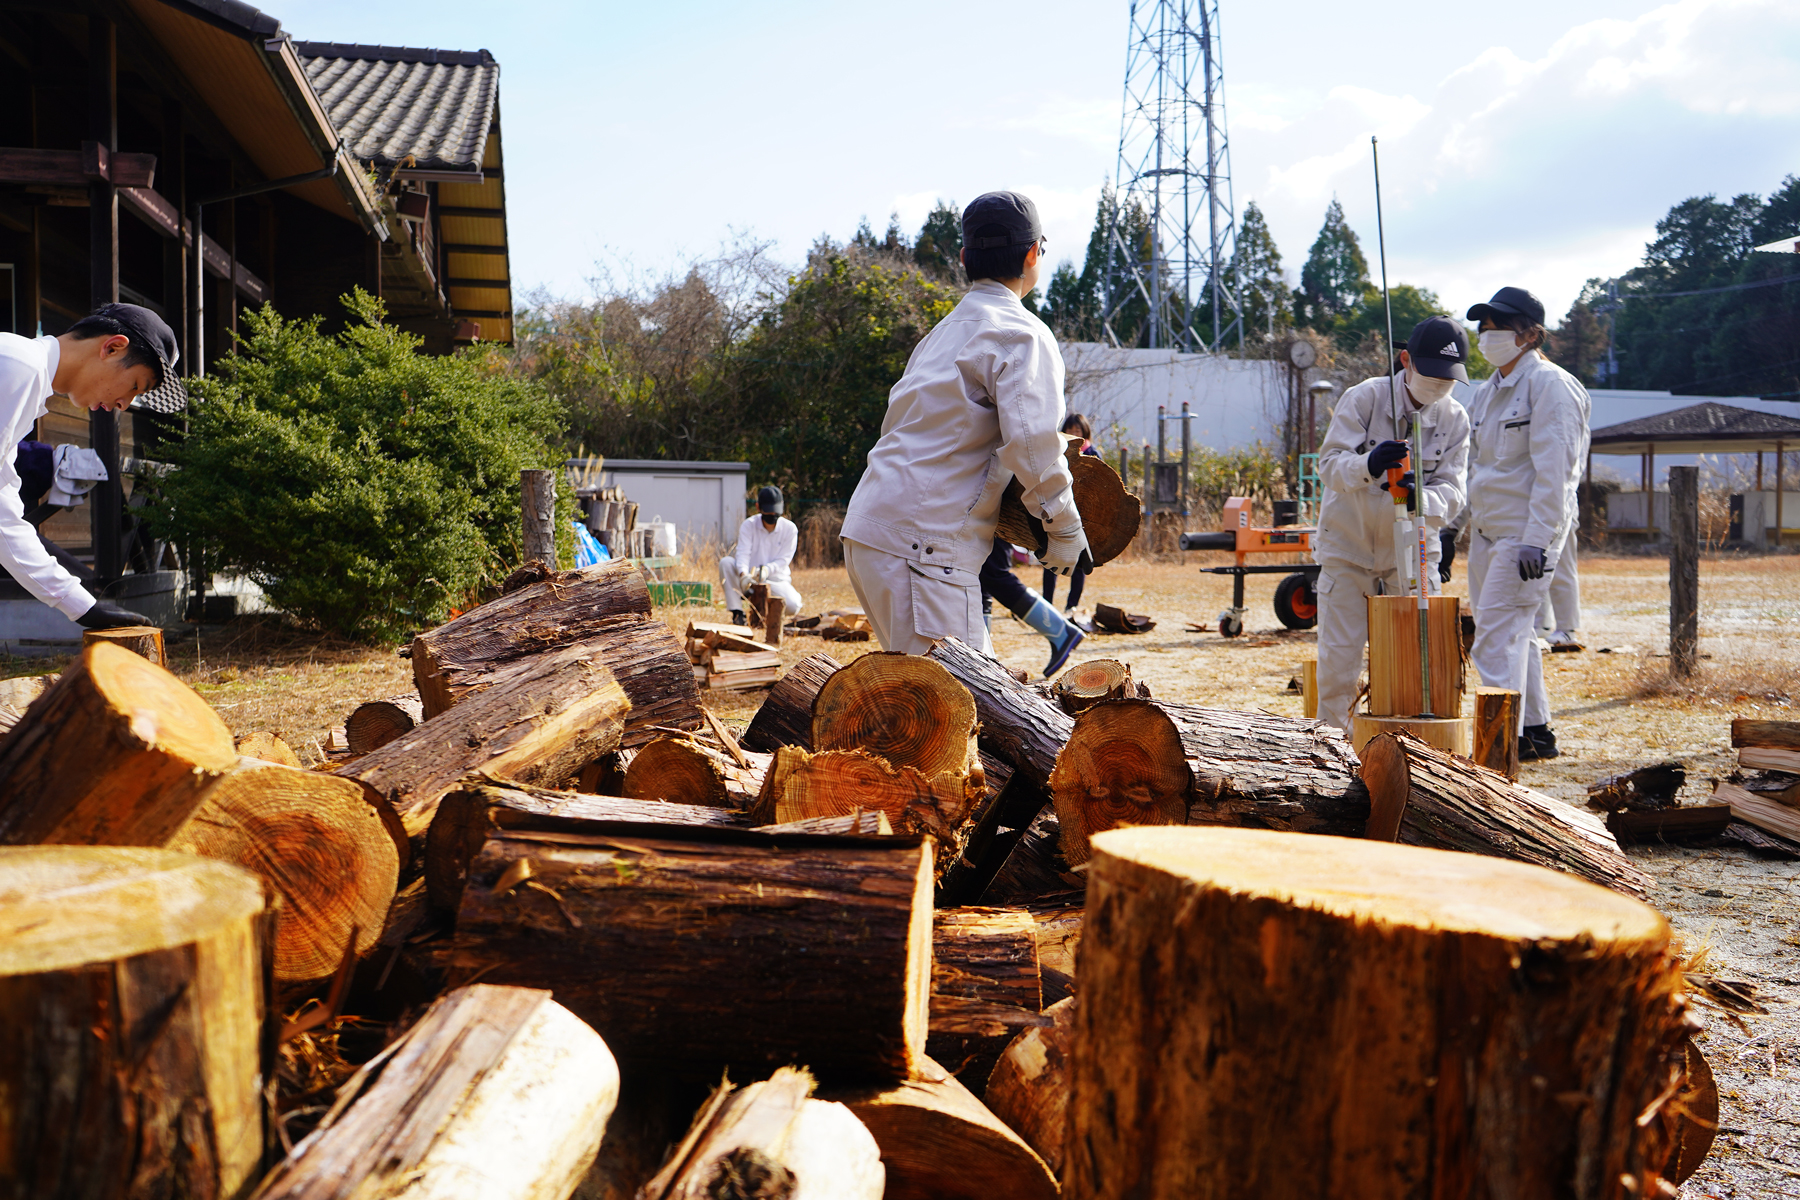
x=1175, y=163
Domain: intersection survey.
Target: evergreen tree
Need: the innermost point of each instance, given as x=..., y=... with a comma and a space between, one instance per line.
x=939, y=245
x=1336, y=274
x=1367, y=321
x=864, y=237
x=1578, y=345
x=1076, y=304
x=895, y=241
x=1256, y=267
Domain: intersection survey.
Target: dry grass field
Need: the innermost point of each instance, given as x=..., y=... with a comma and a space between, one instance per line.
x=1615, y=708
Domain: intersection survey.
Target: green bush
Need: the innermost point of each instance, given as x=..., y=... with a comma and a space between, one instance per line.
x=364, y=486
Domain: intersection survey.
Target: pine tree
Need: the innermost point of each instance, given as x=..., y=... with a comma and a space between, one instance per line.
x=1076, y=304
x=938, y=249
x=1336, y=274
x=864, y=237
x=1256, y=266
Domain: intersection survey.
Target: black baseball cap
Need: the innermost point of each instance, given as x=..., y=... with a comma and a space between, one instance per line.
x=768, y=500
x=1438, y=348
x=1016, y=216
x=1509, y=302
x=145, y=328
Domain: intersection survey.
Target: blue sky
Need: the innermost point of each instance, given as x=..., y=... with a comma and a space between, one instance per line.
x=1532, y=143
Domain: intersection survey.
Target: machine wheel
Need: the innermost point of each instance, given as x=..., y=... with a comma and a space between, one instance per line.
x=1231, y=623
x=1296, y=603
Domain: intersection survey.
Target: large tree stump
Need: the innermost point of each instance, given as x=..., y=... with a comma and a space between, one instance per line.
x=374, y=724
x=1029, y=1088
x=1123, y=765
x=496, y=1092
x=682, y=771
x=145, y=641
x=1355, y=1019
x=539, y=722
x=938, y=1142
x=319, y=841
x=1425, y=797
x=785, y=718
x=1087, y=683
x=770, y=1140
x=1018, y=724
x=825, y=942
x=132, y=981
x=117, y=752
x=907, y=709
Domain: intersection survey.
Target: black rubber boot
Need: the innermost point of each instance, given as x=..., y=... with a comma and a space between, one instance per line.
x=1543, y=742
x=737, y=616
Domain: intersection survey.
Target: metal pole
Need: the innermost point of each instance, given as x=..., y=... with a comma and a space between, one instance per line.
x=1184, y=462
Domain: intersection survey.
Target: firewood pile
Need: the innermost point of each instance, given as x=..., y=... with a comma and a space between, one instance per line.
x=549, y=928
x=838, y=625
x=726, y=656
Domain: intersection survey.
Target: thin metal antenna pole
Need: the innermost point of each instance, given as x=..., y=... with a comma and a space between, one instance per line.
x=1387, y=302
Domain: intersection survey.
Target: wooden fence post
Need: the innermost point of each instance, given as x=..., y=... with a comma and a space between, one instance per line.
x=1684, y=569
x=537, y=499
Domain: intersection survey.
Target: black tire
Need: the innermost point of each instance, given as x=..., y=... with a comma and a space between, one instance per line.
x=1296, y=603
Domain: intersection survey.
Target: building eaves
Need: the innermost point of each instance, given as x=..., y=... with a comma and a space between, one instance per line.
x=1708, y=420
x=391, y=104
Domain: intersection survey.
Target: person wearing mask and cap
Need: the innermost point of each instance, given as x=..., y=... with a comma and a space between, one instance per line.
x=764, y=554
x=118, y=356
x=980, y=405
x=1529, y=441
x=1355, y=543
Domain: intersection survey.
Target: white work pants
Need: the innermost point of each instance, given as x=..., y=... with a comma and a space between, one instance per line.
x=1344, y=631
x=910, y=606
x=1505, y=652
x=1563, y=611
x=734, y=595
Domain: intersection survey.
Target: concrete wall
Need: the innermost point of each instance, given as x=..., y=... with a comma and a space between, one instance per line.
x=1626, y=511
x=705, y=501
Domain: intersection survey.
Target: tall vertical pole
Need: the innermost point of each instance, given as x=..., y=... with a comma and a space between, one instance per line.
x=1186, y=446
x=103, y=283
x=1684, y=570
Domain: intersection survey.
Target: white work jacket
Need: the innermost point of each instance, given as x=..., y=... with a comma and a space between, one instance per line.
x=27, y=366
x=980, y=404
x=1356, y=520
x=771, y=548
x=1528, y=446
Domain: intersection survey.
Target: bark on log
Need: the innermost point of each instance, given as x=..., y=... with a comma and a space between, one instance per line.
x=1767, y=745
x=682, y=771
x=826, y=942
x=1058, y=935
x=938, y=1142
x=468, y=816
x=1086, y=684
x=769, y=1140
x=539, y=723
x=134, y=987
x=869, y=824
x=1433, y=799
x=984, y=973
x=145, y=641
x=117, y=752
x=1029, y=1089
x=497, y=1092
x=1508, y=1024
x=374, y=724
x=1018, y=724
x=268, y=747
x=1642, y=790
x=836, y=783
x=319, y=841
x=1035, y=867
x=1497, y=730
x=537, y=507
x=1682, y=824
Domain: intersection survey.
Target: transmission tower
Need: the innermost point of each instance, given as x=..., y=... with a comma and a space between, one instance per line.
x=1174, y=166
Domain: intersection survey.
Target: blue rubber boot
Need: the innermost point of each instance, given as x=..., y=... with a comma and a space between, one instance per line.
x=1063, y=637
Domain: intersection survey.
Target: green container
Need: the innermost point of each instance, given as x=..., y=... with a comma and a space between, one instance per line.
x=677, y=593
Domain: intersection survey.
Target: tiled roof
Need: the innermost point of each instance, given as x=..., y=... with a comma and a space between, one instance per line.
x=390, y=101
x=1709, y=420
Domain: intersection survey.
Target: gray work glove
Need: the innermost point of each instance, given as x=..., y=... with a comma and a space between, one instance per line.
x=109, y=616
x=1066, y=546
x=1531, y=562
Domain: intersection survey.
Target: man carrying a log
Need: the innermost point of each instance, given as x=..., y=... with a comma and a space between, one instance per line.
x=1355, y=544
x=764, y=554
x=1530, y=440
x=119, y=356
x=981, y=403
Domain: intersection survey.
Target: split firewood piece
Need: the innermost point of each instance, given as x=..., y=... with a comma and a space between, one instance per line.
x=1110, y=514
x=1425, y=797
x=1035, y=867
x=469, y=815
x=1696, y=1107
x=862, y=821
x=907, y=709
x=145, y=641
x=769, y=1139
x=835, y=783
x=1123, y=765
x=1642, y=790
x=1513, y=1024
x=538, y=723
x=938, y=1142
x=117, y=752
x=131, y=1056
x=1086, y=684
x=682, y=771
x=374, y=724
x=320, y=841
x=1684, y=823
x=1029, y=1088
x=1112, y=619
x=1767, y=745
x=826, y=941
x=1759, y=810
x=1058, y=934
x=984, y=973
x=785, y=718
x=1017, y=724
x=1497, y=729
x=269, y=747
x=497, y=1092
x=726, y=637
x=16, y=695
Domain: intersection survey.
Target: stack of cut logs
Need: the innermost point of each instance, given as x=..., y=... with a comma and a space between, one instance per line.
x=610, y=518
x=566, y=901
x=726, y=656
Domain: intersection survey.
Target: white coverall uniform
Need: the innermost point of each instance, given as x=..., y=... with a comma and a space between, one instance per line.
x=980, y=404
x=1355, y=543
x=27, y=367
x=1529, y=442
x=759, y=547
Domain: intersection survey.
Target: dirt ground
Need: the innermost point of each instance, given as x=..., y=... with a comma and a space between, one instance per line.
x=1614, y=705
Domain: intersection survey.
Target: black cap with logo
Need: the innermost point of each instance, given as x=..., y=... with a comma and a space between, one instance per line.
x=1508, y=303
x=145, y=328
x=1015, y=215
x=1438, y=348
x=768, y=500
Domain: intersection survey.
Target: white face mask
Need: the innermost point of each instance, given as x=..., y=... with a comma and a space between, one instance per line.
x=1425, y=389
x=1499, y=346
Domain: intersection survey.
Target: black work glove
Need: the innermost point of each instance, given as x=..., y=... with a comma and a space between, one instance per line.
x=1408, y=485
x=1447, y=543
x=1386, y=455
x=109, y=616
x=1531, y=562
